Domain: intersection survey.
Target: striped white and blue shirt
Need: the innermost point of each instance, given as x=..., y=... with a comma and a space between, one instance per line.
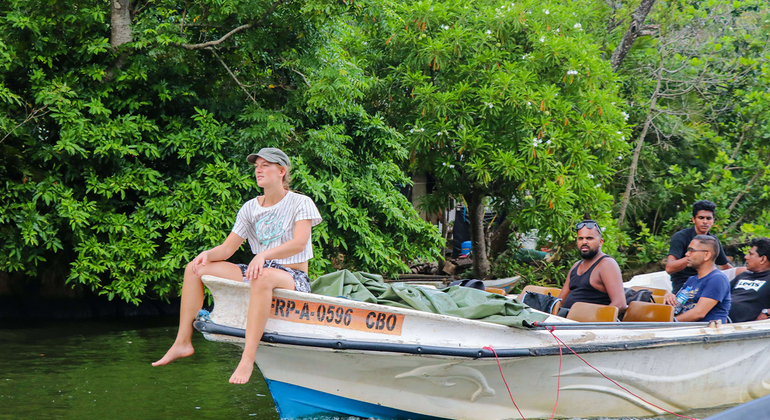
x=268, y=227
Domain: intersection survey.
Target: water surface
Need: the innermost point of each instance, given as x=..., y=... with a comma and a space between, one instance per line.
x=101, y=370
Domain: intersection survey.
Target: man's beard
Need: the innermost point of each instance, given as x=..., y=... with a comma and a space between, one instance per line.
x=590, y=253
x=694, y=264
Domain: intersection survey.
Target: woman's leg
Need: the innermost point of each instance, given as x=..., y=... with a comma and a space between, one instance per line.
x=192, y=302
x=259, y=311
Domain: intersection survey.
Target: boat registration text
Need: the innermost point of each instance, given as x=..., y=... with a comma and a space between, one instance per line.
x=293, y=310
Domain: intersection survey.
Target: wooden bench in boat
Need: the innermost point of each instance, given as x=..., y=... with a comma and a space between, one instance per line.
x=591, y=312
x=648, y=312
x=550, y=291
x=495, y=290
x=655, y=291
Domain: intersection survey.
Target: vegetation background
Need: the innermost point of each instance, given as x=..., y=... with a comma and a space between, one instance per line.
x=124, y=126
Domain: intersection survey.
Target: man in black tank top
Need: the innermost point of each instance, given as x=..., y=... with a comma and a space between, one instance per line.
x=596, y=278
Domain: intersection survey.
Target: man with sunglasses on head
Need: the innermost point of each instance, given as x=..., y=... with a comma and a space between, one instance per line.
x=749, y=290
x=596, y=277
x=703, y=216
x=706, y=295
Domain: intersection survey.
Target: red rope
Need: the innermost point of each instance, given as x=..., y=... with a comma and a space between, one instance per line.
x=558, y=385
x=504, y=381
x=560, y=343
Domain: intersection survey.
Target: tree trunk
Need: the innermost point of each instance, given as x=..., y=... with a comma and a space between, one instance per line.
x=121, y=22
x=481, y=264
x=756, y=176
x=499, y=241
x=633, y=32
x=638, y=151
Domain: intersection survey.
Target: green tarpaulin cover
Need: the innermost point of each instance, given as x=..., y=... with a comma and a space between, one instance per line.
x=457, y=301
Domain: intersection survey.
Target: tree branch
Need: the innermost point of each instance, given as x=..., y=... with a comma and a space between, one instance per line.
x=267, y=13
x=303, y=76
x=217, y=42
x=613, y=23
x=634, y=30
x=233, y=75
x=740, y=142
x=637, y=153
x=736, y=223
x=649, y=30
x=138, y=7
x=184, y=14
x=735, y=152
x=32, y=115
x=202, y=25
x=748, y=186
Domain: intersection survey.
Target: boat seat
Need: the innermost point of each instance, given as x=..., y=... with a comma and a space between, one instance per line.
x=549, y=291
x=655, y=291
x=657, y=298
x=648, y=312
x=591, y=312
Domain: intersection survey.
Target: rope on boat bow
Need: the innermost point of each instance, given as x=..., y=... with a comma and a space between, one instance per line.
x=560, y=343
x=506, y=382
x=551, y=329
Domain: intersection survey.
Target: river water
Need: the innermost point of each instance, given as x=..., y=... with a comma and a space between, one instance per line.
x=101, y=370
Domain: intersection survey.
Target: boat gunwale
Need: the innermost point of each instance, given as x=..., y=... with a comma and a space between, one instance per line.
x=215, y=281
x=479, y=353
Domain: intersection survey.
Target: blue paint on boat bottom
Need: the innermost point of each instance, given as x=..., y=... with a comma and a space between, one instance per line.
x=295, y=402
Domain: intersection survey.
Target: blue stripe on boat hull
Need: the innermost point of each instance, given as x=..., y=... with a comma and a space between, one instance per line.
x=294, y=402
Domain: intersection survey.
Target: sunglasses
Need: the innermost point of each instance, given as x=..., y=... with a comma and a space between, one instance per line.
x=589, y=225
x=697, y=250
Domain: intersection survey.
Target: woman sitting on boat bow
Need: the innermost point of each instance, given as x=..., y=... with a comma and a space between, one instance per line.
x=278, y=227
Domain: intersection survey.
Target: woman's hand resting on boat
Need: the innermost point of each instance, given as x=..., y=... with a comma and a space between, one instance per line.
x=256, y=266
x=201, y=259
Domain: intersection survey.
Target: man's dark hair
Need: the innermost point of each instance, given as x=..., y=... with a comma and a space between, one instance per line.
x=711, y=242
x=704, y=205
x=763, y=247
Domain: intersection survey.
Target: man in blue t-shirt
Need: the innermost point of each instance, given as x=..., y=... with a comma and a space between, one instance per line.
x=708, y=292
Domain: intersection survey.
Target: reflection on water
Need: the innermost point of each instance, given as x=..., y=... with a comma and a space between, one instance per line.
x=101, y=370
x=92, y=370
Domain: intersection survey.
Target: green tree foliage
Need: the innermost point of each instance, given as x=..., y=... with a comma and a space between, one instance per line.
x=509, y=101
x=121, y=157
x=119, y=164
x=706, y=137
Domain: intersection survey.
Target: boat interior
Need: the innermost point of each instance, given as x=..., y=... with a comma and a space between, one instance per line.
x=550, y=291
x=648, y=312
x=636, y=312
x=591, y=312
x=655, y=291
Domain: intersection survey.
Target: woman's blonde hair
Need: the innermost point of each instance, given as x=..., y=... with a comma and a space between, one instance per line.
x=286, y=178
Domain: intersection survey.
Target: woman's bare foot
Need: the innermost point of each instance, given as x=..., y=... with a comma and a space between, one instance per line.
x=177, y=351
x=242, y=372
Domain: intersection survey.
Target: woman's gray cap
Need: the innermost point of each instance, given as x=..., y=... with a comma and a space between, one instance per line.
x=272, y=155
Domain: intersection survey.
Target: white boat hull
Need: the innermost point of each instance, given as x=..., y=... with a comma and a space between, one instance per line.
x=389, y=362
